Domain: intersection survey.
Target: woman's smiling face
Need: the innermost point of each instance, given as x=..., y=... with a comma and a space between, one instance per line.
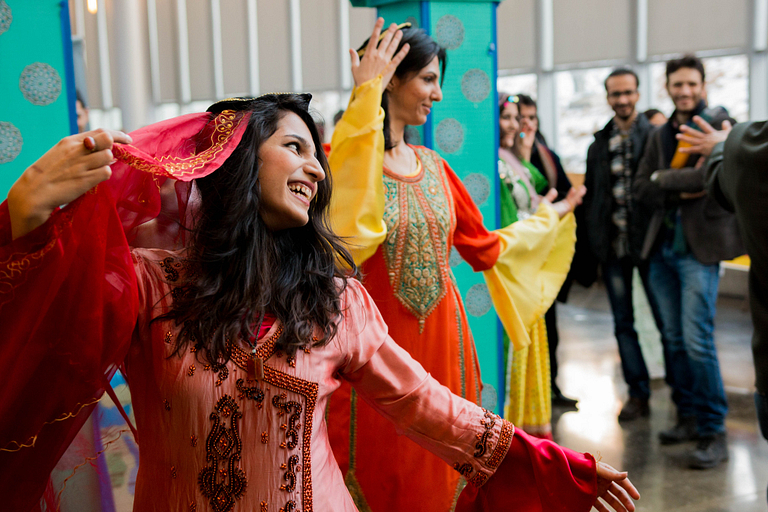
x=411, y=98
x=288, y=175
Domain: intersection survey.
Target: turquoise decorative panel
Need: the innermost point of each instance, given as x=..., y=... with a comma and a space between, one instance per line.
x=37, y=107
x=463, y=128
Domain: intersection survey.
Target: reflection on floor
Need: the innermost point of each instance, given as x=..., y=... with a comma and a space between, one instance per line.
x=590, y=371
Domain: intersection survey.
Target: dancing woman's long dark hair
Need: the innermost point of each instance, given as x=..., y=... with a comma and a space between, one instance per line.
x=422, y=50
x=238, y=269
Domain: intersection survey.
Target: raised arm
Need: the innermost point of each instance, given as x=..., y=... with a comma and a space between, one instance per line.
x=357, y=148
x=68, y=304
x=72, y=167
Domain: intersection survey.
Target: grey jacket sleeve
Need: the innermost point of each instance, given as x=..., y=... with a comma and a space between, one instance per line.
x=685, y=179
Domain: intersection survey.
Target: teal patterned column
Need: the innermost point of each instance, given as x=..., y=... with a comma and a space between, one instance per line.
x=463, y=128
x=36, y=83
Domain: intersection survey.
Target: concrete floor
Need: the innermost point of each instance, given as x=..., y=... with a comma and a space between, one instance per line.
x=590, y=370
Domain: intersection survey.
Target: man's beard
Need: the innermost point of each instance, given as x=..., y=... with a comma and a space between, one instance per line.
x=625, y=117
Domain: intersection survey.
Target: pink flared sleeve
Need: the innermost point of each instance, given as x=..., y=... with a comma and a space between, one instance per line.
x=503, y=466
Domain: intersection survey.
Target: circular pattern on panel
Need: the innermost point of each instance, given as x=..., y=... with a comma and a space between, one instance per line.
x=412, y=135
x=10, y=142
x=478, y=300
x=6, y=17
x=449, y=135
x=40, y=84
x=475, y=85
x=414, y=23
x=489, y=397
x=479, y=187
x=449, y=32
x=454, y=259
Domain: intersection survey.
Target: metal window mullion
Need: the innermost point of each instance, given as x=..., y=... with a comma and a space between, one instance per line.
x=546, y=35
x=641, y=40
x=104, y=69
x=79, y=19
x=547, y=100
x=296, y=67
x=154, y=52
x=758, y=61
x=218, y=64
x=253, y=47
x=344, y=45
x=760, y=26
x=185, y=88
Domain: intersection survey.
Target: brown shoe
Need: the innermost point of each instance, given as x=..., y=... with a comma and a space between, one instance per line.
x=634, y=408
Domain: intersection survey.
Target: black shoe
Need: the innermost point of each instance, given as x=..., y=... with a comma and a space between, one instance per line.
x=560, y=400
x=710, y=451
x=634, y=408
x=684, y=431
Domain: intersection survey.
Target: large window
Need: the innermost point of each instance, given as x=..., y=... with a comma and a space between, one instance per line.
x=519, y=84
x=581, y=111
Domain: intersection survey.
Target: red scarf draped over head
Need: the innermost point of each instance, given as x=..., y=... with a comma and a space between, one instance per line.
x=68, y=299
x=181, y=149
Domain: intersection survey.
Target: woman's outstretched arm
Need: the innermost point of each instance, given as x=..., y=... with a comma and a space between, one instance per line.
x=504, y=466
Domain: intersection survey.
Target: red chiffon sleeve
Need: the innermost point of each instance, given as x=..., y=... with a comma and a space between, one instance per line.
x=68, y=306
x=477, y=246
x=566, y=481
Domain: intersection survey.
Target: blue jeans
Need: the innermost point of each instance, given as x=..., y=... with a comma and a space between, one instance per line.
x=617, y=274
x=686, y=291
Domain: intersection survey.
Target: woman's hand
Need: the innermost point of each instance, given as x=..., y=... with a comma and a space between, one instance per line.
x=573, y=199
x=69, y=169
x=377, y=59
x=524, y=141
x=615, y=489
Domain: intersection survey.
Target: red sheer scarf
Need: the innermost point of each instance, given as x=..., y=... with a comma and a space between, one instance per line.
x=68, y=295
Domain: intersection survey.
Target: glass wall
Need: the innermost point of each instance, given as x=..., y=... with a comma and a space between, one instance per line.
x=581, y=111
x=582, y=108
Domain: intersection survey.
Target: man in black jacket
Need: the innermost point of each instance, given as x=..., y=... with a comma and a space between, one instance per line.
x=615, y=226
x=687, y=238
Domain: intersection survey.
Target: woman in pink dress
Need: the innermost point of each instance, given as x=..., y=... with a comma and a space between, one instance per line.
x=234, y=342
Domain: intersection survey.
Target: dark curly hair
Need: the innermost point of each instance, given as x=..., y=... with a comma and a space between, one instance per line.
x=238, y=269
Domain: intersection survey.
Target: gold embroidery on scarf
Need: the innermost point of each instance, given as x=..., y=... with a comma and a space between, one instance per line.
x=420, y=220
x=225, y=125
x=30, y=443
x=17, y=264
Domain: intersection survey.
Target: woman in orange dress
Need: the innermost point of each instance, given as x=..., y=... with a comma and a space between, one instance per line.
x=402, y=209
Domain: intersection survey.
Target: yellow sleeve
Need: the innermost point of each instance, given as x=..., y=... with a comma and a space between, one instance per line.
x=534, y=259
x=356, y=161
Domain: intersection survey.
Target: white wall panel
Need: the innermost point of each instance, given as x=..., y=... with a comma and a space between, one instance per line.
x=168, y=50
x=200, y=50
x=591, y=30
x=684, y=26
x=274, y=46
x=92, y=69
x=361, y=20
x=516, y=34
x=319, y=44
x=234, y=42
